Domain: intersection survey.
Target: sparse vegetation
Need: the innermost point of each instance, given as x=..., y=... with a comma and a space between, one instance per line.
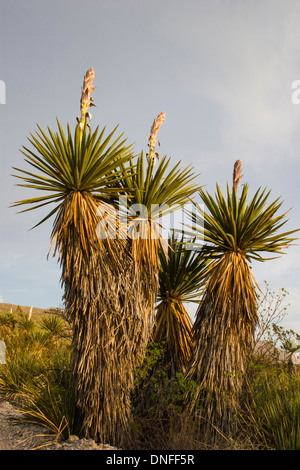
x=37, y=379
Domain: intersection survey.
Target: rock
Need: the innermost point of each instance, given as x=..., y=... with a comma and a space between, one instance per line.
x=4, y=446
x=73, y=438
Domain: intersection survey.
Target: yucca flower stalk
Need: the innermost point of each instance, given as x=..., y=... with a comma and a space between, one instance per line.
x=86, y=101
x=180, y=281
x=78, y=174
x=236, y=232
x=153, y=135
x=237, y=174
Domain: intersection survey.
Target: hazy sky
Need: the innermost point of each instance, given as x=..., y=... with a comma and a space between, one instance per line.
x=222, y=70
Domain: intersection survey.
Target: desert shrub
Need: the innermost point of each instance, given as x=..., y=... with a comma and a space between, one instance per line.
x=159, y=418
x=49, y=400
x=8, y=322
x=27, y=356
x=272, y=408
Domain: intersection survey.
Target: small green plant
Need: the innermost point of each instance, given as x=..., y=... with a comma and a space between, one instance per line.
x=282, y=416
x=159, y=419
x=8, y=322
x=155, y=391
x=153, y=355
x=54, y=326
x=272, y=413
x=49, y=401
x=177, y=391
x=25, y=323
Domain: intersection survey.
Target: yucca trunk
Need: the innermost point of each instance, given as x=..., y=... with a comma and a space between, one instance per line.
x=96, y=297
x=173, y=327
x=223, y=333
x=143, y=292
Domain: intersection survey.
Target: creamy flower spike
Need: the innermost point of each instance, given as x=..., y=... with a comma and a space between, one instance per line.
x=86, y=100
x=237, y=174
x=153, y=134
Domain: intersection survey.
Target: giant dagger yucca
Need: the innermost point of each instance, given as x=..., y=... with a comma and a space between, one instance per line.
x=150, y=192
x=77, y=173
x=236, y=232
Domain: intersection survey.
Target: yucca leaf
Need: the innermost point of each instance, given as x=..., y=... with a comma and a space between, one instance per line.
x=235, y=225
x=85, y=162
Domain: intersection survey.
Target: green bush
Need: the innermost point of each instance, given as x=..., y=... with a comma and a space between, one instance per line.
x=49, y=400
x=273, y=410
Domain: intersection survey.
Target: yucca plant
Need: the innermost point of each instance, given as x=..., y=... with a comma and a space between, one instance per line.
x=180, y=280
x=8, y=322
x=236, y=232
x=148, y=194
x=55, y=326
x=77, y=173
x=48, y=400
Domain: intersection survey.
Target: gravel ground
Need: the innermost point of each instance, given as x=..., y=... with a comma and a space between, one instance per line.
x=18, y=436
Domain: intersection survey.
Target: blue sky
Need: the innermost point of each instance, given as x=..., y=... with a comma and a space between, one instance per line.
x=222, y=71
